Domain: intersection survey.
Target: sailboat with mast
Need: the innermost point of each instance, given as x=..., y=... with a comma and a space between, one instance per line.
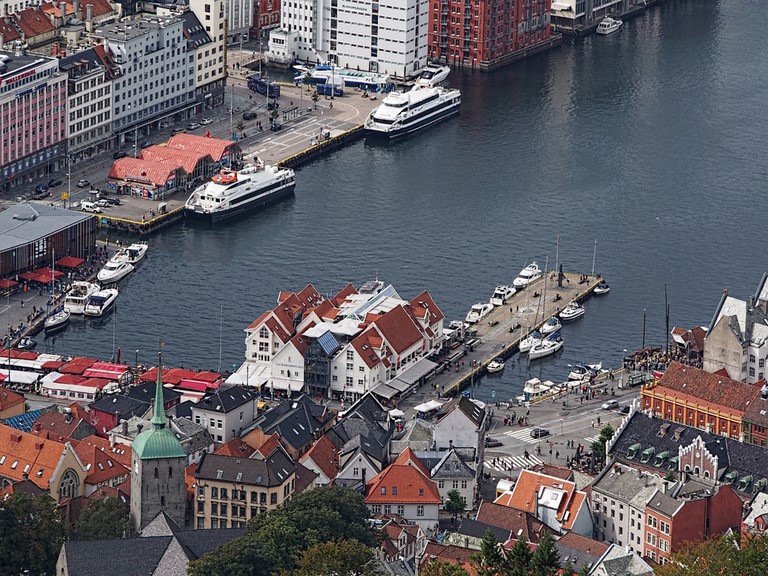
x=58, y=319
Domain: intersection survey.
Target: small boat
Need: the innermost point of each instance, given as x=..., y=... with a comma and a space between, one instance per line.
x=527, y=275
x=101, y=302
x=530, y=341
x=602, y=288
x=495, y=365
x=478, y=312
x=133, y=254
x=584, y=371
x=433, y=75
x=573, y=311
x=77, y=296
x=551, y=325
x=114, y=271
x=608, y=25
x=546, y=347
x=57, y=320
x=502, y=294
x=26, y=343
x=533, y=390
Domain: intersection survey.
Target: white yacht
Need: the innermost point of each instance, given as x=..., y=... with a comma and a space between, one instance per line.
x=101, y=302
x=584, y=371
x=133, y=254
x=501, y=294
x=527, y=275
x=573, y=311
x=478, y=312
x=230, y=192
x=550, y=326
x=495, y=365
x=433, y=75
x=533, y=390
x=114, y=271
x=56, y=320
x=546, y=347
x=608, y=25
x=401, y=113
x=530, y=341
x=77, y=296
x=602, y=288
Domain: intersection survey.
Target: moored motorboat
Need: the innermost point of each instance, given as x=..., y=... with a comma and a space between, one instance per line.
x=530, y=341
x=495, y=365
x=501, y=294
x=77, y=296
x=573, y=311
x=527, y=275
x=550, y=326
x=433, y=75
x=114, y=271
x=602, y=288
x=101, y=302
x=133, y=254
x=478, y=312
x=546, y=347
x=534, y=389
x=57, y=320
x=26, y=343
x=584, y=371
x=608, y=25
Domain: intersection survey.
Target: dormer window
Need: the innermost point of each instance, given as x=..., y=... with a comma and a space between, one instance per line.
x=383, y=490
x=394, y=490
x=421, y=491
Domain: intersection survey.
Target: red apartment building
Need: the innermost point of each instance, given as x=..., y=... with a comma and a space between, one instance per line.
x=266, y=18
x=488, y=33
x=670, y=522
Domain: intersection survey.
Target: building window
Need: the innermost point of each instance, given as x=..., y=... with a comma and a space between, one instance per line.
x=400, y=509
x=419, y=510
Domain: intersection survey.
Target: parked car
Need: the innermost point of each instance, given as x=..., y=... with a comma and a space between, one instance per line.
x=206, y=121
x=113, y=201
x=90, y=207
x=177, y=131
x=147, y=144
x=492, y=442
x=83, y=183
x=41, y=195
x=119, y=154
x=610, y=405
x=103, y=203
x=53, y=182
x=539, y=433
x=41, y=188
x=193, y=126
x=624, y=408
x=249, y=115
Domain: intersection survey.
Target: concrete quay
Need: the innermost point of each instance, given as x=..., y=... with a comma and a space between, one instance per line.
x=500, y=332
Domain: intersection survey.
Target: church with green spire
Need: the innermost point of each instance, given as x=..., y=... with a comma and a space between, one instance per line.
x=157, y=475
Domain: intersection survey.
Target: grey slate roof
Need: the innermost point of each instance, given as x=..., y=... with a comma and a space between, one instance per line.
x=225, y=400
x=469, y=527
x=26, y=222
x=193, y=437
x=146, y=393
x=297, y=421
x=665, y=504
x=194, y=31
x=125, y=405
x=445, y=465
x=472, y=411
x=182, y=410
x=270, y=472
x=126, y=557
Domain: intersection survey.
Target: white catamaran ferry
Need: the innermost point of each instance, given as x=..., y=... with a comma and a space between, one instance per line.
x=401, y=113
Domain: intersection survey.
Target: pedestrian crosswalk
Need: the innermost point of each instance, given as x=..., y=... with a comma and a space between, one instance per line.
x=523, y=434
x=591, y=439
x=507, y=463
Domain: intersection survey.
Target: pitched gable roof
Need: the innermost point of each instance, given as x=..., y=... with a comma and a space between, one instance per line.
x=408, y=457
x=9, y=399
x=101, y=466
x=528, y=491
x=33, y=23
x=401, y=483
x=398, y=329
x=520, y=524
x=215, y=147
x=325, y=456
x=342, y=294
x=235, y=447
x=56, y=423
x=706, y=387
x=424, y=306
x=365, y=345
x=23, y=453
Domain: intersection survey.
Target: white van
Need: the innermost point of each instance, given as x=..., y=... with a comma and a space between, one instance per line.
x=90, y=207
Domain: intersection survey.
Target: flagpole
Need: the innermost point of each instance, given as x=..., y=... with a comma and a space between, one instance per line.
x=594, y=255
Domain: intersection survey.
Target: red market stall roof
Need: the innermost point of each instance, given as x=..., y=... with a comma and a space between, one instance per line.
x=35, y=277
x=69, y=379
x=77, y=365
x=97, y=382
x=193, y=385
x=187, y=159
x=2, y=377
x=106, y=370
x=208, y=376
x=6, y=283
x=48, y=273
x=52, y=364
x=141, y=171
x=215, y=147
x=17, y=354
x=69, y=262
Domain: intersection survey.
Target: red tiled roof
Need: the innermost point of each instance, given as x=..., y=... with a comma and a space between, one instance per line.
x=520, y=524
x=300, y=342
x=452, y=554
x=144, y=171
x=411, y=484
x=398, y=329
x=235, y=447
x=33, y=22
x=408, y=457
x=325, y=310
x=705, y=387
x=423, y=303
x=49, y=8
x=9, y=399
x=8, y=30
x=101, y=466
x=214, y=147
x=364, y=347
x=256, y=323
x=187, y=159
x=120, y=452
x=572, y=509
x=325, y=456
x=100, y=8
x=348, y=290
x=23, y=452
x=277, y=329
x=583, y=544
x=309, y=297
x=269, y=445
x=526, y=492
x=56, y=423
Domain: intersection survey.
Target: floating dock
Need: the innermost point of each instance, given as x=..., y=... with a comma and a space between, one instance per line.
x=500, y=333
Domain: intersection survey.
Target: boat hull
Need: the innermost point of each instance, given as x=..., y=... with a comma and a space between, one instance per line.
x=56, y=324
x=572, y=316
x=96, y=313
x=113, y=279
x=250, y=206
x=409, y=128
x=538, y=352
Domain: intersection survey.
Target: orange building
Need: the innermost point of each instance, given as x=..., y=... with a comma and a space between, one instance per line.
x=487, y=33
x=691, y=396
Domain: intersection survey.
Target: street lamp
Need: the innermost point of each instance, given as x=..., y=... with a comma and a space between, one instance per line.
x=137, y=358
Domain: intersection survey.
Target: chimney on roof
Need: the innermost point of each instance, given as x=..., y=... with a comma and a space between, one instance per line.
x=63, y=6
x=125, y=427
x=89, y=13
x=67, y=417
x=36, y=427
x=139, y=426
x=76, y=8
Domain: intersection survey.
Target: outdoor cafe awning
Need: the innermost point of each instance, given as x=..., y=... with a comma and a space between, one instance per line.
x=428, y=406
x=6, y=283
x=69, y=262
x=385, y=391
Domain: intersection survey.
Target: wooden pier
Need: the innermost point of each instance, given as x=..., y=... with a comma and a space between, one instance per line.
x=498, y=334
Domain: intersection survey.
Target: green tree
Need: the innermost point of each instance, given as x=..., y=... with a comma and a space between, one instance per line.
x=103, y=519
x=31, y=534
x=568, y=569
x=584, y=570
x=455, y=503
x=726, y=555
x=339, y=557
x=489, y=561
x=273, y=116
x=315, y=98
x=519, y=558
x=598, y=446
x=545, y=560
x=439, y=568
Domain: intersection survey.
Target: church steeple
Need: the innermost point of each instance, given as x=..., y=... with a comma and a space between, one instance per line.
x=159, y=420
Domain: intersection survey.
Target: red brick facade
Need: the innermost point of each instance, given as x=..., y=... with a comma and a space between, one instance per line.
x=267, y=16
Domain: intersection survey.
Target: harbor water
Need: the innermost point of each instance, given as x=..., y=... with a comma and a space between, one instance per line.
x=648, y=144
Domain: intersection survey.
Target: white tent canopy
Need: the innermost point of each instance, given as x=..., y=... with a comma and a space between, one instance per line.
x=395, y=413
x=428, y=406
